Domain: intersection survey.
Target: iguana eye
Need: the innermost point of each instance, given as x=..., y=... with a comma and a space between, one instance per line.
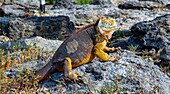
x=105, y=23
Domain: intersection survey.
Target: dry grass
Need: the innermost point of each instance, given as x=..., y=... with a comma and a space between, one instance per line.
x=12, y=59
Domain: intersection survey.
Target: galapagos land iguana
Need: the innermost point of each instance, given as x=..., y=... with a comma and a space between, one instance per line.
x=80, y=48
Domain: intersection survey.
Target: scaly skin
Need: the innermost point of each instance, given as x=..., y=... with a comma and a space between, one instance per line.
x=80, y=48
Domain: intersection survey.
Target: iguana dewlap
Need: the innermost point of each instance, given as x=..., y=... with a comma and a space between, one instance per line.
x=80, y=48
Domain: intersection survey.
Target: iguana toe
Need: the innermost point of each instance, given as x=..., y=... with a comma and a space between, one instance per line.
x=115, y=49
x=74, y=77
x=118, y=48
x=113, y=59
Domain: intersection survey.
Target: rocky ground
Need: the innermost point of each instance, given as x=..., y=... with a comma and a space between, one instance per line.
x=144, y=27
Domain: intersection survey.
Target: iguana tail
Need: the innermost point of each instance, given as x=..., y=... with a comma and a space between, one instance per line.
x=45, y=72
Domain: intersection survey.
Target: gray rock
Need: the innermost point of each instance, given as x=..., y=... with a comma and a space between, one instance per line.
x=63, y=4
x=4, y=39
x=85, y=14
x=141, y=5
x=1, y=12
x=4, y=25
x=19, y=8
x=19, y=28
x=35, y=3
x=131, y=5
x=168, y=6
x=46, y=45
x=58, y=27
x=15, y=10
x=165, y=54
x=131, y=74
x=101, y=2
x=165, y=2
x=154, y=33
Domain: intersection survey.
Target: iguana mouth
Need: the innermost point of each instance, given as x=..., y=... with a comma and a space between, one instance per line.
x=109, y=28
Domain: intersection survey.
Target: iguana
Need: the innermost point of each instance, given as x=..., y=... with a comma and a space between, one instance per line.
x=80, y=48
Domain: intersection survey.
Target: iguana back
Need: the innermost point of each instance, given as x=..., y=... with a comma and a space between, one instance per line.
x=78, y=46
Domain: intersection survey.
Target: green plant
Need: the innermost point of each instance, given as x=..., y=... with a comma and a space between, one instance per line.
x=145, y=53
x=16, y=46
x=24, y=81
x=81, y=2
x=132, y=48
x=165, y=68
x=50, y=1
x=118, y=35
x=2, y=63
x=4, y=82
x=156, y=89
x=15, y=56
x=110, y=89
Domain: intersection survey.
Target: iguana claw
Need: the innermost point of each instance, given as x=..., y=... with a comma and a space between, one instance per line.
x=74, y=77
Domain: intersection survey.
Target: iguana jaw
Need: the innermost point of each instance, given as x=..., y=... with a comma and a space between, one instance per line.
x=109, y=29
x=106, y=33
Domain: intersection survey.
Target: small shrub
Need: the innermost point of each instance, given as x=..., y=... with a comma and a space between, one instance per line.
x=81, y=2
x=4, y=82
x=17, y=55
x=132, y=48
x=25, y=80
x=118, y=35
x=110, y=89
x=50, y=1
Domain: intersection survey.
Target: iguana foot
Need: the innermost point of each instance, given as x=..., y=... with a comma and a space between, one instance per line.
x=74, y=77
x=113, y=59
x=115, y=49
x=69, y=75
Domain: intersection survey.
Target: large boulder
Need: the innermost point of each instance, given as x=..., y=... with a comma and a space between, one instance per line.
x=63, y=4
x=4, y=25
x=155, y=33
x=142, y=5
x=1, y=12
x=165, y=55
x=159, y=1
x=35, y=3
x=131, y=5
x=58, y=27
x=101, y=2
x=14, y=10
x=106, y=2
x=42, y=43
x=49, y=27
x=19, y=8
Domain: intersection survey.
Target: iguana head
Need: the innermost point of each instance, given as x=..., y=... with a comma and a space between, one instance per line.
x=106, y=26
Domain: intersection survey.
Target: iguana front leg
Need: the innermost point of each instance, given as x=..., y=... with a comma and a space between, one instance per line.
x=68, y=70
x=104, y=56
